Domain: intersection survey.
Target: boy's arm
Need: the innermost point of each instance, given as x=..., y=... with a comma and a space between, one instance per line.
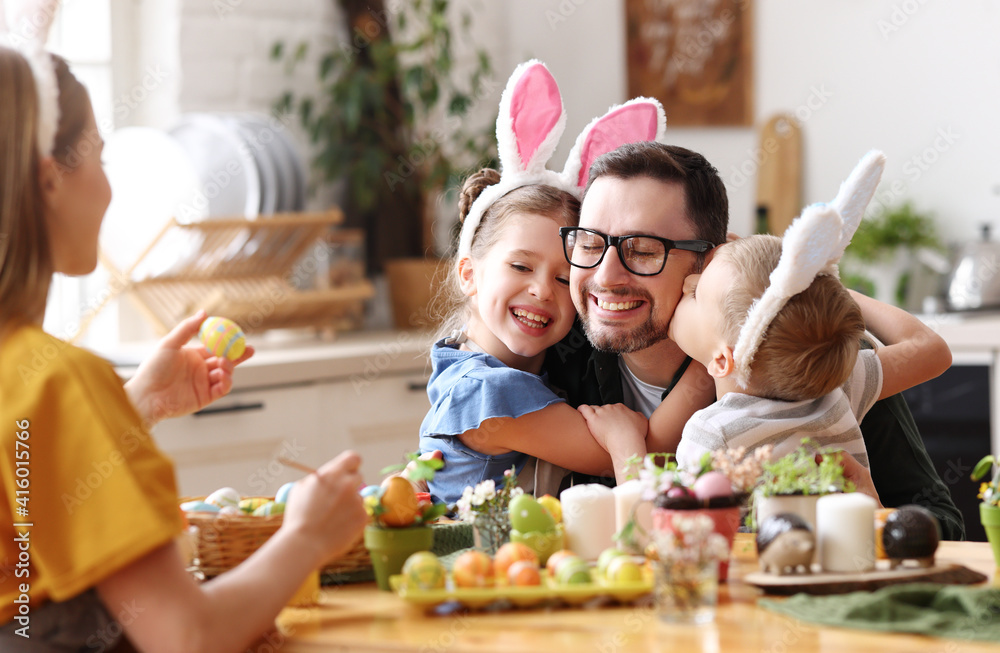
x=694, y=391
x=912, y=354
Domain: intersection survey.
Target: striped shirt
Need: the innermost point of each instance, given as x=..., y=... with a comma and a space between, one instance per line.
x=740, y=420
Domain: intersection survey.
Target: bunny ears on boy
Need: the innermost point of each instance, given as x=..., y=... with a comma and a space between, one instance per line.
x=531, y=121
x=26, y=31
x=812, y=245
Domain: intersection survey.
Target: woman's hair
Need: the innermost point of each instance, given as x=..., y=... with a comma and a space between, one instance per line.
x=451, y=304
x=811, y=346
x=25, y=261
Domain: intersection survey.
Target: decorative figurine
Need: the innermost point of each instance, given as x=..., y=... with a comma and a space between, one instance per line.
x=911, y=533
x=785, y=543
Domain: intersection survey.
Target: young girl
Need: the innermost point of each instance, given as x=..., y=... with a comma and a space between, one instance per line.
x=491, y=406
x=77, y=572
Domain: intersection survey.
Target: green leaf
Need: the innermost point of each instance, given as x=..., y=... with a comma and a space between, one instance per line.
x=432, y=513
x=301, y=51
x=983, y=467
x=277, y=50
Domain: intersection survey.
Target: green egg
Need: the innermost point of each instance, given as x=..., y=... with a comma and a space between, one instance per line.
x=527, y=515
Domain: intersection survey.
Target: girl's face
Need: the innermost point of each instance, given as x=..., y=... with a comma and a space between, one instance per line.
x=520, y=292
x=76, y=199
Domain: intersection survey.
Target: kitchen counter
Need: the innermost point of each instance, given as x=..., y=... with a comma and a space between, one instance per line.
x=308, y=359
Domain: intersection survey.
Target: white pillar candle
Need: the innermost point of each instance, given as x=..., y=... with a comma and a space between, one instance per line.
x=588, y=519
x=845, y=532
x=628, y=500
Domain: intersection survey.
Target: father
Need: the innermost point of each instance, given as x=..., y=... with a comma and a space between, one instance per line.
x=673, y=193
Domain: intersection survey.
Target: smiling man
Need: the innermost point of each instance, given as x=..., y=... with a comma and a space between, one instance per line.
x=649, y=215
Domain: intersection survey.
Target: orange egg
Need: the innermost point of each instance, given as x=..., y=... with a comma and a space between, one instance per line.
x=556, y=559
x=524, y=573
x=399, y=500
x=510, y=553
x=473, y=569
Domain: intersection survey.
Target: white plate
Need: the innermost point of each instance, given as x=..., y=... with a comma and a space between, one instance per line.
x=266, y=173
x=286, y=157
x=151, y=180
x=225, y=166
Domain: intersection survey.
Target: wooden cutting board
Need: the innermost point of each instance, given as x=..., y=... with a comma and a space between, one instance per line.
x=779, y=176
x=882, y=576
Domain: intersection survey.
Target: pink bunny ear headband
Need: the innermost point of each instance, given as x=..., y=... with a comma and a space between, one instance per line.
x=811, y=246
x=530, y=123
x=26, y=31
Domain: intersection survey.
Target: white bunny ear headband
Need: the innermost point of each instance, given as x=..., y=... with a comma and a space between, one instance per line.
x=812, y=245
x=532, y=119
x=25, y=28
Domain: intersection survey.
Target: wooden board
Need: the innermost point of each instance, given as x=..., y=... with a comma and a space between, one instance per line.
x=779, y=174
x=833, y=583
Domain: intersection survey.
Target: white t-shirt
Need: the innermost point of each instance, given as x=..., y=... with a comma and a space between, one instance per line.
x=742, y=420
x=638, y=395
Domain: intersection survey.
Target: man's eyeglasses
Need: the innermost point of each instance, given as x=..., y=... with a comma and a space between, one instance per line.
x=644, y=256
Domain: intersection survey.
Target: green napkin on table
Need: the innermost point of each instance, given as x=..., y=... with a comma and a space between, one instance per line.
x=925, y=608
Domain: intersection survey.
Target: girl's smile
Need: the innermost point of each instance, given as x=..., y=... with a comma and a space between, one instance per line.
x=520, y=293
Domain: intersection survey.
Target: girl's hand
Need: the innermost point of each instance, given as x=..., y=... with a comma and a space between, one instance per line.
x=178, y=378
x=325, y=508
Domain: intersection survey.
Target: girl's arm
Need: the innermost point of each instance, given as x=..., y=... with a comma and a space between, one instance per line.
x=694, y=391
x=556, y=433
x=173, y=613
x=913, y=353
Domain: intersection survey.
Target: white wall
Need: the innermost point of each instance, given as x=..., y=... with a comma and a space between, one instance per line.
x=897, y=75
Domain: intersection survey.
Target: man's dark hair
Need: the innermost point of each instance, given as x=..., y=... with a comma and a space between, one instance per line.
x=707, y=203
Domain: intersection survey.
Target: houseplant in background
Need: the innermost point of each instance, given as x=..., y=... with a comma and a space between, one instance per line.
x=989, y=509
x=882, y=259
x=390, y=117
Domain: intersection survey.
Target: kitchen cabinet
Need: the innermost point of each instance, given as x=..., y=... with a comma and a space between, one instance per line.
x=307, y=402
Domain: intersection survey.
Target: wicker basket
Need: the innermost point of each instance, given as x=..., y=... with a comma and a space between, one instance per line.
x=224, y=541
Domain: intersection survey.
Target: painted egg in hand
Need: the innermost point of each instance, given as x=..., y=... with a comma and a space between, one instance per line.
x=222, y=337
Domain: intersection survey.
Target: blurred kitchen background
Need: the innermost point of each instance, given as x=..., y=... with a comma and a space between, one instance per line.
x=918, y=80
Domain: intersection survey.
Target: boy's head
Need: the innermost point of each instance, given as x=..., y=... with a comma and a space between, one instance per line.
x=808, y=350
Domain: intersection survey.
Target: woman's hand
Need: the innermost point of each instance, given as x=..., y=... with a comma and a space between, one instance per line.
x=326, y=507
x=178, y=378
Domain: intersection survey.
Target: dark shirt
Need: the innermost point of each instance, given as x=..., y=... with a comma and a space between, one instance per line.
x=902, y=470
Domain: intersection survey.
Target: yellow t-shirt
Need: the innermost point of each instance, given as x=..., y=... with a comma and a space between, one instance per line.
x=99, y=494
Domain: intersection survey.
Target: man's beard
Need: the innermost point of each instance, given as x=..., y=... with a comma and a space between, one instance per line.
x=622, y=341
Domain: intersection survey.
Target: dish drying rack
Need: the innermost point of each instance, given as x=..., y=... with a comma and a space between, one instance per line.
x=244, y=270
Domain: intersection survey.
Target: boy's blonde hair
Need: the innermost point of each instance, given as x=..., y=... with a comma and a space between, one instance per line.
x=25, y=260
x=451, y=304
x=811, y=346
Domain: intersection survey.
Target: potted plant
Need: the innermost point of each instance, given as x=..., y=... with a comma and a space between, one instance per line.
x=880, y=261
x=390, y=117
x=716, y=490
x=989, y=509
x=400, y=520
x=794, y=482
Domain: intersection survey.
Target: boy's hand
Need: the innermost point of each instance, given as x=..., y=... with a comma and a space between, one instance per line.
x=856, y=473
x=614, y=424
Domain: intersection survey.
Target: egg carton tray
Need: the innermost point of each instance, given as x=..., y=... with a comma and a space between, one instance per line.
x=548, y=593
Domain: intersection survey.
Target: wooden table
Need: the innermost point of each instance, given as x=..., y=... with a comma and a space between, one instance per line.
x=361, y=618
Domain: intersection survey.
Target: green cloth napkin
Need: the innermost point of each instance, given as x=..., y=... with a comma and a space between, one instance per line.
x=925, y=608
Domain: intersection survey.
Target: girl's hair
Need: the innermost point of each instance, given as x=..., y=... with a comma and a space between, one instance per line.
x=450, y=304
x=811, y=346
x=25, y=261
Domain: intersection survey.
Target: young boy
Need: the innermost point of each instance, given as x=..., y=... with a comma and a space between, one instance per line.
x=803, y=373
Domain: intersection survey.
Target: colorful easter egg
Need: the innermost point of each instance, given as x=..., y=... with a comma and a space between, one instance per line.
x=222, y=338
x=198, y=506
x=424, y=571
x=283, y=492
x=223, y=497
x=250, y=504
x=268, y=509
